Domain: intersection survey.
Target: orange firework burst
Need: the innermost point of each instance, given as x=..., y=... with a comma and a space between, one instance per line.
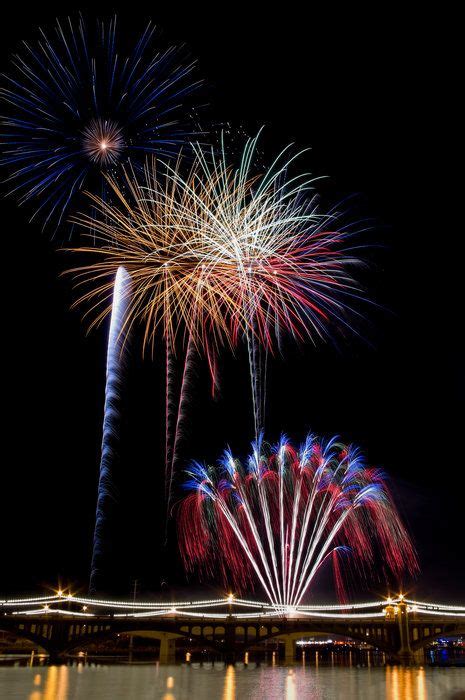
x=103, y=141
x=220, y=254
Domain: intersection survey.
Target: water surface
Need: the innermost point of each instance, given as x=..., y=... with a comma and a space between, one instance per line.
x=209, y=682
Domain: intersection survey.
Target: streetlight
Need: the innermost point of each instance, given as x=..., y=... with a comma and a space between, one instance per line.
x=230, y=602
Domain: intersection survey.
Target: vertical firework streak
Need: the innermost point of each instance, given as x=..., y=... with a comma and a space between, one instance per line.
x=181, y=418
x=106, y=495
x=284, y=513
x=258, y=358
x=256, y=385
x=170, y=410
x=175, y=413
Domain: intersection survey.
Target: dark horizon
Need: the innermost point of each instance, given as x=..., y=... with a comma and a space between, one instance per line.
x=376, y=118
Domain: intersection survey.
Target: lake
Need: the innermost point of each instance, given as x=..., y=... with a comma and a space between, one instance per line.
x=212, y=681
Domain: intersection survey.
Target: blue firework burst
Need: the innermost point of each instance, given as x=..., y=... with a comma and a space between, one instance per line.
x=77, y=104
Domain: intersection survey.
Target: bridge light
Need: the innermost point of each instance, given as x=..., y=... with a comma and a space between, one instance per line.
x=84, y=607
x=230, y=598
x=59, y=593
x=46, y=608
x=401, y=596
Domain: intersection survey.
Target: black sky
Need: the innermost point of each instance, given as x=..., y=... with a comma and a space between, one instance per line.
x=375, y=96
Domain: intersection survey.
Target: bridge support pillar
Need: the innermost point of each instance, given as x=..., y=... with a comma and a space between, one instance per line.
x=229, y=651
x=54, y=658
x=405, y=652
x=167, y=648
x=289, y=649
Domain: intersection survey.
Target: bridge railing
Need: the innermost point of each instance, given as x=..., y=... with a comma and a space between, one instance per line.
x=83, y=606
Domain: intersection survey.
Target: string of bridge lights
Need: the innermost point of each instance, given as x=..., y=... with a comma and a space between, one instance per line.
x=147, y=609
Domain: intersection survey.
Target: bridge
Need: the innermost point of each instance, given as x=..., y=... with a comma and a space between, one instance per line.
x=61, y=624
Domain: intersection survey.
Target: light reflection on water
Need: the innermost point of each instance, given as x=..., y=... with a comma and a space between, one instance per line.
x=229, y=690
x=214, y=681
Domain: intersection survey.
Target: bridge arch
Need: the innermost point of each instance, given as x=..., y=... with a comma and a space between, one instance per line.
x=429, y=639
x=37, y=639
x=167, y=640
x=374, y=640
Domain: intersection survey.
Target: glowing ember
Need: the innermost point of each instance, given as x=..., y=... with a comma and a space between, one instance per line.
x=103, y=141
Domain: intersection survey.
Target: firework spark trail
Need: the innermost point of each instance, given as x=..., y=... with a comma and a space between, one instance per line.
x=284, y=513
x=251, y=354
x=181, y=418
x=106, y=496
x=175, y=415
x=257, y=372
x=170, y=410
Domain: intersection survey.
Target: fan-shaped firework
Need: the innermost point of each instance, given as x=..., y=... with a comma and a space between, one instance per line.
x=281, y=515
x=78, y=101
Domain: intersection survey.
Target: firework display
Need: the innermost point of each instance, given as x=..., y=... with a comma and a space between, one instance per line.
x=103, y=141
x=204, y=253
x=281, y=515
x=220, y=256
x=77, y=102
x=76, y=106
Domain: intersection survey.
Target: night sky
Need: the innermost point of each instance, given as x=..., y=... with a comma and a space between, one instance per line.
x=376, y=102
